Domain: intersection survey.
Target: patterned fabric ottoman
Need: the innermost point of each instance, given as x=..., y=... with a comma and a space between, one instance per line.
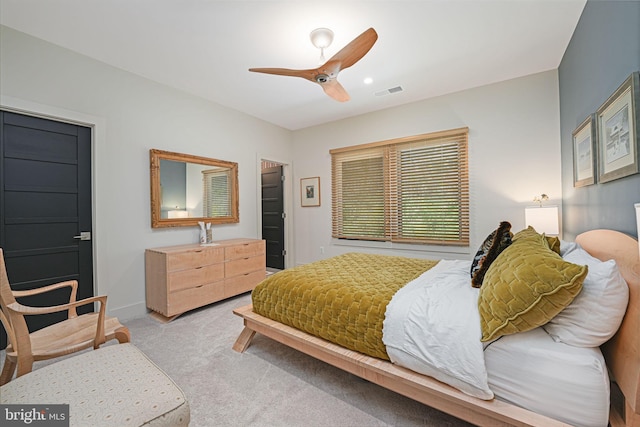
x=116, y=385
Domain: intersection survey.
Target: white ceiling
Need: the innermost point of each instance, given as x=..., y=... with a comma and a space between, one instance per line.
x=205, y=47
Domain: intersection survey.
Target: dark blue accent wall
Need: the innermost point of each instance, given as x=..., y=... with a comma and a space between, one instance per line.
x=603, y=52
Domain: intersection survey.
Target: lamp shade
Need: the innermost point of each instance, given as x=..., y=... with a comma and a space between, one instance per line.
x=543, y=218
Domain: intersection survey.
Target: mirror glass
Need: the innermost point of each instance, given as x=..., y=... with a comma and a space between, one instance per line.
x=186, y=189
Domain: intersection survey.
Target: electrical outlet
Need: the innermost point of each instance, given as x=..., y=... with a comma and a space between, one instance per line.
x=322, y=249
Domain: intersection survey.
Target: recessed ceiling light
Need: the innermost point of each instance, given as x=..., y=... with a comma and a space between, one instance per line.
x=368, y=80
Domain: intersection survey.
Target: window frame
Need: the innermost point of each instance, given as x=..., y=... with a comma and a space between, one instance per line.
x=452, y=142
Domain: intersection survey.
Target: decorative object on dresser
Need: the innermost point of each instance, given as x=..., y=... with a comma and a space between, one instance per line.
x=185, y=277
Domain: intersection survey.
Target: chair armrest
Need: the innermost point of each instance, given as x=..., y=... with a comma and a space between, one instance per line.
x=102, y=299
x=73, y=284
x=30, y=310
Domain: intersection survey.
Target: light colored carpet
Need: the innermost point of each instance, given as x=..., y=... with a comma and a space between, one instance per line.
x=269, y=384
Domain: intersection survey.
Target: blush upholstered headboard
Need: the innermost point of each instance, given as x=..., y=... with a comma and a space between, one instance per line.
x=622, y=352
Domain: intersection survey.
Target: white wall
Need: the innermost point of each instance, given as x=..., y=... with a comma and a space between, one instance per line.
x=131, y=115
x=514, y=154
x=514, y=142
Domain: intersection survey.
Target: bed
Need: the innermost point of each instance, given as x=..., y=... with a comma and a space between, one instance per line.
x=507, y=402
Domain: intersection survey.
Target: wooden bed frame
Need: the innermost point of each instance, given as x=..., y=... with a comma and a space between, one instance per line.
x=622, y=354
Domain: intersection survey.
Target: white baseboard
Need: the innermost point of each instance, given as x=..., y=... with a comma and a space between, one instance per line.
x=129, y=312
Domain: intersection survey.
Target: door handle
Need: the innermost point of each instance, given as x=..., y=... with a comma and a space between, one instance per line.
x=84, y=235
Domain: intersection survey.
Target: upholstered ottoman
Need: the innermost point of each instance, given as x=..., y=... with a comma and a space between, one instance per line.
x=116, y=385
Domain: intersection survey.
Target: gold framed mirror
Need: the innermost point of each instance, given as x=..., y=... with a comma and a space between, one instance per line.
x=187, y=189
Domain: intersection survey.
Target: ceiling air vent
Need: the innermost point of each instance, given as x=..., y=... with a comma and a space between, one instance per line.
x=389, y=91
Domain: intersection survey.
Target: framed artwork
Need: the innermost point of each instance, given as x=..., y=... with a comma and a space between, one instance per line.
x=584, y=138
x=617, y=123
x=310, y=191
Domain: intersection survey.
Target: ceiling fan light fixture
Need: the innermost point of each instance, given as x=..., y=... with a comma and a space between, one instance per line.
x=321, y=37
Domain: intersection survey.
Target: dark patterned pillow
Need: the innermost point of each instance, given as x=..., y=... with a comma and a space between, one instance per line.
x=495, y=243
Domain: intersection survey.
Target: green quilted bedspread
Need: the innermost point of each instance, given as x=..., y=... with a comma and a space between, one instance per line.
x=341, y=299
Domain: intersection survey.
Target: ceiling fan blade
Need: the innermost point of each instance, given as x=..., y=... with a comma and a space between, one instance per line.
x=305, y=74
x=328, y=82
x=335, y=90
x=326, y=75
x=354, y=51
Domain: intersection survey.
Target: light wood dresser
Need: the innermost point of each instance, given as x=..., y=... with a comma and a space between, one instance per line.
x=181, y=278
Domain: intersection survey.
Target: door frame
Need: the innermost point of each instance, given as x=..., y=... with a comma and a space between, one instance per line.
x=287, y=194
x=98, y=136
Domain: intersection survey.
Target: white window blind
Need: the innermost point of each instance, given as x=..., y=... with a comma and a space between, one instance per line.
x=217, y=193
x=410, y=190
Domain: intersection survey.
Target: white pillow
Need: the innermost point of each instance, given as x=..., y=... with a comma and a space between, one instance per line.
x=566, y=247
x=595, y=314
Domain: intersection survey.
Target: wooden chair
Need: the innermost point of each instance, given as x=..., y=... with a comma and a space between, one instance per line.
x=62, y=338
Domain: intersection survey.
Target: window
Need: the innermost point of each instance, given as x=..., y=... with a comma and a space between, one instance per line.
x=410, y=190
x=217, y=191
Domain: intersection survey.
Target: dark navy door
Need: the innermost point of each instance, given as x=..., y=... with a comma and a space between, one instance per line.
x=45, y=209
x=273, y=216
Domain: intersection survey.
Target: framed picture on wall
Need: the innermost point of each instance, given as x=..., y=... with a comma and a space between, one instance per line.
x=617, y=123
x=584, y=138
x=310, y=191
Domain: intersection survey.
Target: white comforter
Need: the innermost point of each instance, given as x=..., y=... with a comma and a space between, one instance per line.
x=432, y=326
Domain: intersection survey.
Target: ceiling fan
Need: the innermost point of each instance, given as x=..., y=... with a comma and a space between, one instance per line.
x=326, y=75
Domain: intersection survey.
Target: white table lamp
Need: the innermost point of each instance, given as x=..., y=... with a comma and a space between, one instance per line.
x=543, y=218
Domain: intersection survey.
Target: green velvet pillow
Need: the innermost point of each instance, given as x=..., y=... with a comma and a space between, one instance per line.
x=526, y=286
x=554, y=243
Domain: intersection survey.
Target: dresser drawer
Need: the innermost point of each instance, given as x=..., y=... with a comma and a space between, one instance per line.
x=241, y=266
x=244, y=283
x=244, y=250
x=194, y=258
x=193, y=277
x=188, y=299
